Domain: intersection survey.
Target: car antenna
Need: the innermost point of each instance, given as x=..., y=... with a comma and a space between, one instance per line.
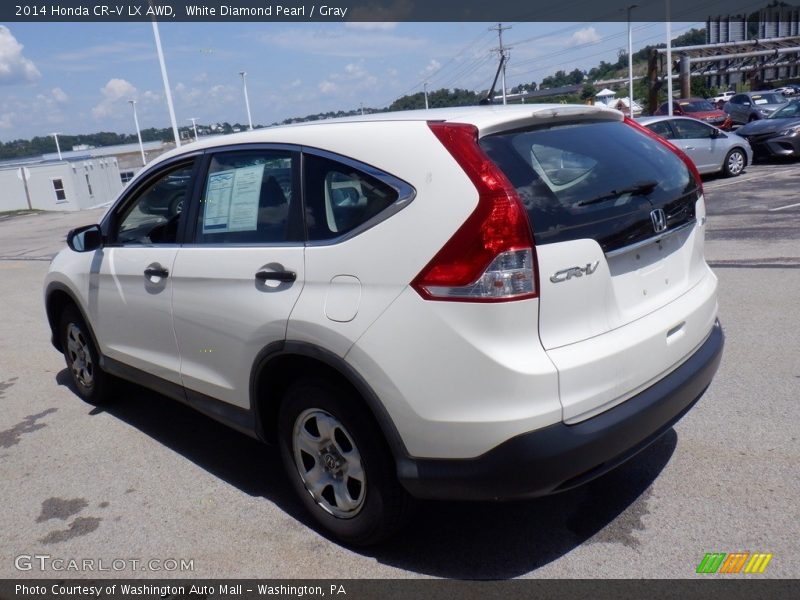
x=489, y=99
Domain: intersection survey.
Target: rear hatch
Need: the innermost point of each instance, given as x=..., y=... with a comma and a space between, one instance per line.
x=614, y=218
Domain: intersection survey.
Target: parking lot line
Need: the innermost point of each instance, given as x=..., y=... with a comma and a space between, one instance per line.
x=784, y=207
x=738, y=180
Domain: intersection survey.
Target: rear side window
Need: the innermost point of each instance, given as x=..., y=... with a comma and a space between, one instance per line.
x=597, y=180
x=340, y=198
x=248, y=198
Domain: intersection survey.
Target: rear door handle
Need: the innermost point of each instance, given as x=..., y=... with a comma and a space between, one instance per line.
x=156, y=271
x=282, y=276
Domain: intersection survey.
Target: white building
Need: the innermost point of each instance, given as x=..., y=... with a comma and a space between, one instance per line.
x=58, y=185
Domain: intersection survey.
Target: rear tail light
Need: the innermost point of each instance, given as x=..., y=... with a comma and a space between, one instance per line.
x=490, y=257
x=681, y=154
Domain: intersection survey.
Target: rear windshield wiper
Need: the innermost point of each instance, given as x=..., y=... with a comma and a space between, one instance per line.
x=640, y=189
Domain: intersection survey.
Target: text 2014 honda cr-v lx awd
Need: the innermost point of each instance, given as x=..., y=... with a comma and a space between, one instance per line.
x=476, y=303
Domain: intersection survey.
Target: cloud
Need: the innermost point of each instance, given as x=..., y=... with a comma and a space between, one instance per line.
x=7, y=120
x=356, y=77
x=327, y=87
x=371, y=26
x=59, y=95
x=14, y=67
x=432, y=67
x=587, y=35
x=348, y=43
x=113, y=91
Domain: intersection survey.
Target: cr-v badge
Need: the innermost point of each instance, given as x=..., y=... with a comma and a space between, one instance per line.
x=567, y=274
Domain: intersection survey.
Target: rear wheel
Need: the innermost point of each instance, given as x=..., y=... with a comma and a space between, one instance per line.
x=339, y=465
x=82, y=358
x=734, y=163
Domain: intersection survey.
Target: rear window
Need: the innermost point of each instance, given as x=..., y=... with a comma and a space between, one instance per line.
x=697, y=106
x=597, y=180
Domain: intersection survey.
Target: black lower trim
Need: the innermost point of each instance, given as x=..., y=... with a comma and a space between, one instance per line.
x=560, y=456
x=233, y=416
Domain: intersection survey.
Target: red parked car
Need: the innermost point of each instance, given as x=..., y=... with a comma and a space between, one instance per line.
x=698, y=108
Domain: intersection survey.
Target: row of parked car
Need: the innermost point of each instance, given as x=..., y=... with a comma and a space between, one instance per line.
x=767, y=124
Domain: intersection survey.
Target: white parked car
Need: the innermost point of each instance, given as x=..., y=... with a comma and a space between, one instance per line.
x=722, y=98
x=475, y=303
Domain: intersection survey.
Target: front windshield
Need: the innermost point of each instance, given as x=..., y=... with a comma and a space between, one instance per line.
x=697, y=106
x=789, y=111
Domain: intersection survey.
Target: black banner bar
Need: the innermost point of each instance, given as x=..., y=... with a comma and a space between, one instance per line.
x=372, y=10
x=706, y=588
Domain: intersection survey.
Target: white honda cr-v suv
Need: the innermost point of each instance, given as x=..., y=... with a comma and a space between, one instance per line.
x=477, y=303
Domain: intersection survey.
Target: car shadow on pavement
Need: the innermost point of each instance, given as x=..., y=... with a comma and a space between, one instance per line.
x=463, y=540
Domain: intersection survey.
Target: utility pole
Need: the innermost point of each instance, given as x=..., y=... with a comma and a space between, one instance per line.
x=194, y=126
x=58, y=148
x=167, y=91
x=501, y=50
x=138, y=132
x=630, y=61
x=246, y=98
x=669, y=61
x=425, y=91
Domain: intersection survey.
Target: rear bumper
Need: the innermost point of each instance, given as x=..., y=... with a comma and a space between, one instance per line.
x=560, y=456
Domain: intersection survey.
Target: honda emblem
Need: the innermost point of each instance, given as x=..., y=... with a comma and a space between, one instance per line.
x=659, y=219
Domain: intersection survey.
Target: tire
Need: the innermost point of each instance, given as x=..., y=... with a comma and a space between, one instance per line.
x=339, y=465
x=83, y=360
x=176, y=204
x=734, y=163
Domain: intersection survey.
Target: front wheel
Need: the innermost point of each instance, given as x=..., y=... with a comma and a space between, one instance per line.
x=734, y=163
x=339, y=464
x=83, y=360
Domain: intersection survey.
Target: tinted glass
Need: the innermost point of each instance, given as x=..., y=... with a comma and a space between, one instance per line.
x=768, y=98
x=593, y=180
x=152, y=217
x=691, y=130
x=696, y=106
x=662, y=128
x=340, y=198
x=789, y=111
x=248, y=199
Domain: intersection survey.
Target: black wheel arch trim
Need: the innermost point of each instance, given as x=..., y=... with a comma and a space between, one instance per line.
x=308, y=350
x=57, y=286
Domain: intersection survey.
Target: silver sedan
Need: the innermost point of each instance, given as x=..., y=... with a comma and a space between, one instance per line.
x=711, y=149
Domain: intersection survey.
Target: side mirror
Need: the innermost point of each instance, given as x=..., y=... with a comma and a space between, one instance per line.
x=85, y=239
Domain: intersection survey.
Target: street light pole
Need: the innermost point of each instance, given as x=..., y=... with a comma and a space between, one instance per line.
x=425, y=88
x=630, y=62
x=669, y=62
x=194, y=126
x=246, y=99
x=167, y=91
x=58, y=148
x=138, y=133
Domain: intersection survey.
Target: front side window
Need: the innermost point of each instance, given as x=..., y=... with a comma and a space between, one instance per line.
x=339, y=198
x=692, y=130
x=250, y=197
x=152, y=216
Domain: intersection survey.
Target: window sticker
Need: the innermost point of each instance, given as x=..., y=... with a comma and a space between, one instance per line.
x=232, y=197
x=760, y=100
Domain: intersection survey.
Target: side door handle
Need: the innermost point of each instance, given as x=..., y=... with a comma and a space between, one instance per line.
x=282, y=276
x=156, y=271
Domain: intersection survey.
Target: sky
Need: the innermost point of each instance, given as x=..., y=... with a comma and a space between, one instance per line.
x=74, y=78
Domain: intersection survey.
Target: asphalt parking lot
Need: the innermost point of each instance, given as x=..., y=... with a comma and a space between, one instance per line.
x=149, y=479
